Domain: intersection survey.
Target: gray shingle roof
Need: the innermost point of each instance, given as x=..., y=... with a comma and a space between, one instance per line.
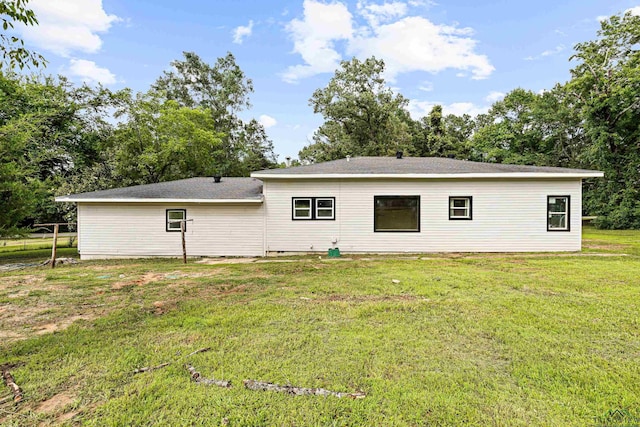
x=411, y=165
x=184, y=189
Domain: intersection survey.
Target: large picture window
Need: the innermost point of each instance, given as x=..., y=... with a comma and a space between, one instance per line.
x=396, y=213
x=460, y=207
x=174, y=218
x=558, y=213
x=313, y=208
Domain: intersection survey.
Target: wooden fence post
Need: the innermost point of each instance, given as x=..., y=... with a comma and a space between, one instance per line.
x=55, y=245
x=184, y=244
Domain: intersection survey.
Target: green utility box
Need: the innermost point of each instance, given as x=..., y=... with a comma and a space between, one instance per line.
x=334, y=253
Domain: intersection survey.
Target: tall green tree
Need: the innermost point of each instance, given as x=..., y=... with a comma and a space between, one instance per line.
x=222, y=89
x=529, y=128
x=161, y=140
x=605, y=91
x=49, y=131
x=363, y=116
x=436, y=135
x=14, y=54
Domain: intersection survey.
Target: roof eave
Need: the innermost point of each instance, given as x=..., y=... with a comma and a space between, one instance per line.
x=151, y=200
x=497, y=175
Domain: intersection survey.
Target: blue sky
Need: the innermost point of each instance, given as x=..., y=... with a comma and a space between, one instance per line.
x=462, y=54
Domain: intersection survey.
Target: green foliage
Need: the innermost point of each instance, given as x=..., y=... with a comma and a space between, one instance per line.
x=604, y=89
x=14, y=54
x=223, y=90
x=529, y=128
x=49, y=130
x=436, y=135
x=163, y=141
x=363, y=117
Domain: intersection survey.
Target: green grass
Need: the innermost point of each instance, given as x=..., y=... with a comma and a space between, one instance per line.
x=505, y=340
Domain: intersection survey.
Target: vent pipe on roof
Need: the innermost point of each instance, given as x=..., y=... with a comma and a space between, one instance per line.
x=398, y=154
x=217, y=179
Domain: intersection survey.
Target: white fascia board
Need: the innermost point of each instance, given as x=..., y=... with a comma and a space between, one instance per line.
x=132, y=200
x=512, y=175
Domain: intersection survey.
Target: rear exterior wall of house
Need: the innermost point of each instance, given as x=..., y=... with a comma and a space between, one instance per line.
x=129, y=230
x=507, y=216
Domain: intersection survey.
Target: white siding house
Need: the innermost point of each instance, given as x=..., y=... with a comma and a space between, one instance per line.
x=364, y=204
x=507, y=216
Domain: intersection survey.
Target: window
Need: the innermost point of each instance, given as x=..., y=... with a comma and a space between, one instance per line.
x=396, y=213
x=558, y=210
x=302, y=208
x=324, y=209
x=313, y=208
x=460, y=207
x=174, y=217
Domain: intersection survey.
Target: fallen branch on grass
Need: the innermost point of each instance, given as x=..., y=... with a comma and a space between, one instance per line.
x=298, y=391
x=11, y=383
x=6, y=399
x=202, y=350
x=195, y=376
x=149, y=368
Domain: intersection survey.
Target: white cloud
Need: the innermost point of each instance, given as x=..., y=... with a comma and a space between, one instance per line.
x=548, y=52
x=494, y=96
x=633, y=10
x=89, y=72
x=417, y=44
x=314, y=36
x=426, y=86
x=267, y=121
x=418, y=109
x=377, y=13
x=405, y=43
x=601, y=18
x=241, y=32
x=66, y=26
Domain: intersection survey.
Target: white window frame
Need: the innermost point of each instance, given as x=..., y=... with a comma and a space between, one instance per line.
x=170, y=223
x=566, y=213
x=310, y=208
x=468, y=207
x=332, y=208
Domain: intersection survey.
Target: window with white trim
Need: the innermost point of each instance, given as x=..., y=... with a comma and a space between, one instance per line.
x=460, y=207
x=174, y=218
x=558, y=212
x=313, y=208
x=302, y=208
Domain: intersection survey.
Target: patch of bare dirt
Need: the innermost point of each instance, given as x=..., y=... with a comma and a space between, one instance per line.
x=56, y=402
x=604, y=246
x=61, y=325
x=9, y=282
x=162, y=307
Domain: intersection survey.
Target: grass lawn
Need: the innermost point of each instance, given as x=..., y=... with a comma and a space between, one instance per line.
x=462, y=339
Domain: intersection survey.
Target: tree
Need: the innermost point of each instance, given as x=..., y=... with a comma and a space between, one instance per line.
x=50, y=131
x=223, y=90
x=13, y=51
x=605, y=92
x=363, y=117
x=436, y=135
x=529, y=128
x=161, y=141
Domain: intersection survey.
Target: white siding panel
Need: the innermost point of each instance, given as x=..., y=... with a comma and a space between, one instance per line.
x=508, y=215
x=138, y=229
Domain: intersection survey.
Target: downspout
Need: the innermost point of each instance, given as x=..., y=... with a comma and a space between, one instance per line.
x=264, y=219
